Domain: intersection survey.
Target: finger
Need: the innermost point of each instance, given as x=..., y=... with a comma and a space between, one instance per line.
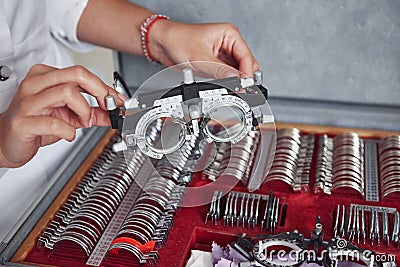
x=256, y=66
x=34, y=126
x=39, y=69
x=99, y=117
x=65, y=95
x=48, y=140
x=213, y=68
x=76, y=75
x=244, y=59
x=228, y=59
x=235, y=46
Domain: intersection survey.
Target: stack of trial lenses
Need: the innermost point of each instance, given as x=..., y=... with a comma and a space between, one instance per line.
x=389, y=165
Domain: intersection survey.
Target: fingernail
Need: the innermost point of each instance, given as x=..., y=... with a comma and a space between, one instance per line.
x=123, y=97
x=90, y=122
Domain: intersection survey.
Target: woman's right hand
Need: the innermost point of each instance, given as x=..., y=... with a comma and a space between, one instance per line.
x=47, y=107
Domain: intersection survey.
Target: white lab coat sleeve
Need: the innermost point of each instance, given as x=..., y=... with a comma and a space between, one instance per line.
x=63, y=17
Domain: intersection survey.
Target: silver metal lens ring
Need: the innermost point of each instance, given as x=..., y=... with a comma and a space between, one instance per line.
x=161, y=180
x=389, y=169
x=347, y=151
x=161, y=204
x=289, y=132
x=286, y=159
x=155, y=195
x=282, y=171
x=90, y=214
x=240, y=154
x=347, y=175
x=355, y=144
x=140, y=223
x=350, y=135
x=250, y=138
x=287, y=138
x=130, y=248
x=136, y=160
x=349, y=180
x=122, y=170
x=141, y=227
x=133, y=166
x=99, y=212
x=157, y=188
x=234, y=172
x=395, y=174
x=289, y=144
x=277, y=177
x=158, y=180
x=284, y=164
x=152, y=217
x=145, y=215
x=76, y=228
x=388, y=148
x=78, y=241
x=115, y=188
x=388, y=144
x=351, y=158
x=176, y=116
x=389, y=155
x=134, y=234
x=390, y=180
x=85, y=239
x=216, y=103
x=394, y=188
x=158, y=194
x=391, y=163
x=347, y=166
x=391, y=191
x=99, y=202
x=102, y=196
x=85, y=225
x=350, y=184
x=107, y=193
x=392, y=138
x=149, y=207
x=286, y=151
x=393, y=183
x=116, y=179
x=143, y=221
x=239, y=162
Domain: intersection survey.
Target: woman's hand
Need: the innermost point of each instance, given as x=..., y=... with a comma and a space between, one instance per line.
x=116, y=24
x=48, y=107
x=173, y=42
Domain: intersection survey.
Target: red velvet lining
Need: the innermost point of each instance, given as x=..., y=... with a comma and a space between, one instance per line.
x=190, y=231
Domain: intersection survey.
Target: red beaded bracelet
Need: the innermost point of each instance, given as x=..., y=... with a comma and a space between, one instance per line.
x=144, y=33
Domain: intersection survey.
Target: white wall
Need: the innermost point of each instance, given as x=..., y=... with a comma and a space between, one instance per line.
x=99, y=61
